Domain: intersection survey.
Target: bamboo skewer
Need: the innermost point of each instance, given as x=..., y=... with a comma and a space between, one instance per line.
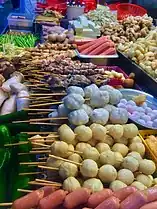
x=42, y=158
x=50, y=94
x=48, y=168
x=45, y=104
x=24, y=190
x=15, y=144
x=31, y=173
x=47, y=110
x=34, y=133
x=46, y=124
x=39, y=152
x=7, y=204
x=46, y=137
x=66, y=160
x=46, y=181
x=47, y=119
x=40, y=144
x=41, y=184
x=33, y=163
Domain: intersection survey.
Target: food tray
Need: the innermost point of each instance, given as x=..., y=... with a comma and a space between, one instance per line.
x=150, y=100
x=97, y=60
x=147, y=83
x=20, y=21
x=143, y=134
x=95, y=56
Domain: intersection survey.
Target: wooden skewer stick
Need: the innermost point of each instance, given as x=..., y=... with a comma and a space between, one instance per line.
x=50, y=94
x=66, y=160
x=15, y=144
x=48, y=168
x=46, y=137
x=46, y=124
x=34, y=133
x=47, y=119
x=24, y=190
x=42, y=158
x=47, y=110
x=38, y=113
x=45, y=104
x=33, y=163
x=31, y=173
x=40, y=144
x=41, y=184
x=40, y=152
x=7, y=204
x=46, y=141
x=40, y=148
x=45, y=181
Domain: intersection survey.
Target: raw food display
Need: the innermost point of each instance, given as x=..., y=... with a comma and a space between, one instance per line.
x=101, y=15
x=57, y=34
x=101, y=46
x=143, y=52
x=85, y=28
x=99, y=159
x=143, y=114
x=95, y=109
x=129, y=29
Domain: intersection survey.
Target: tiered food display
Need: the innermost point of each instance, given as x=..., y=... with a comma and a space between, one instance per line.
x=91, y=155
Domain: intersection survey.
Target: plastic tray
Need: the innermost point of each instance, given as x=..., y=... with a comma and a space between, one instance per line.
x=95, y=56
x=20, y=21
x=143, y=135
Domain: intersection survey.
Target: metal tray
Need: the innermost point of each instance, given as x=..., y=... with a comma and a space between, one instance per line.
x=95, y=56
x=151, y=101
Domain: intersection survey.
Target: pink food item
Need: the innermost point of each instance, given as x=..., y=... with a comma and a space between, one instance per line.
x=89, y=44
x=110, y=203
x=124, y=192
x=151, y=194
x=30, y=200
x=96, y=198
x=109, y=51
x=152, y=205
x=94, y=45
x=53, y=200
x=134, y=201
x=76, y=198
x=48, y=190
x=101, y=48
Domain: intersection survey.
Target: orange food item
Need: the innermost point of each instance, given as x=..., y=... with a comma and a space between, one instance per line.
x=53, y=200
x=30, y=200
x=76, y=198
x=96, y=198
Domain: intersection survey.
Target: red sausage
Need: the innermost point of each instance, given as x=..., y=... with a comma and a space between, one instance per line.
x=30, y=200
x=48, y=190
x=134, y=201
x=76, y=198
x=151, y=194
x=124, y=192
x=152, y=205
x=53, y=200
x=110, y=203
x=96, y=198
